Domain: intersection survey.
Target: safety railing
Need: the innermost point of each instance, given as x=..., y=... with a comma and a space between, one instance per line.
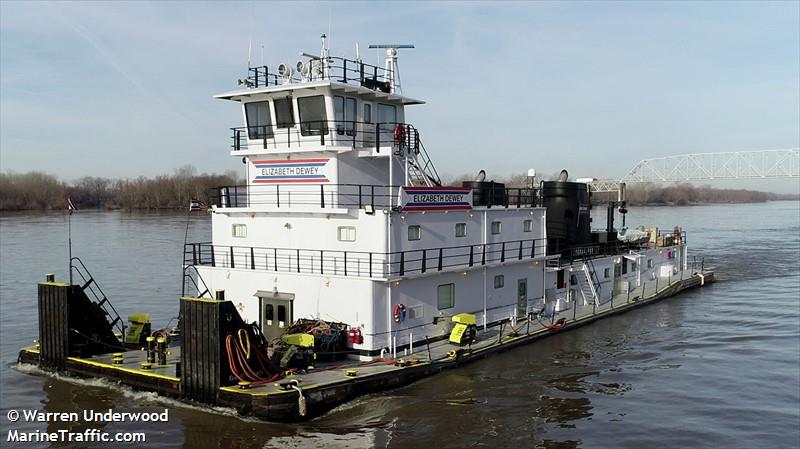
x=353, y=134
x=326, y=195
x=95, y=294
x=343, y=70
x=361, y=263
x=581, y=252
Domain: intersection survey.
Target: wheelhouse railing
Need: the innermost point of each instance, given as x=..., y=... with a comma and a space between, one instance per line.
x=361, y=196
x=360, y=263
x=354, y=134
x=343, y=70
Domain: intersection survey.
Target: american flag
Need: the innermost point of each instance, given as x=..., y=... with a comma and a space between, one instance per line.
x=70, y=206
x=197, y=206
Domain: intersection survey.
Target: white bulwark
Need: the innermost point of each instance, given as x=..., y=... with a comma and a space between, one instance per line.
x=343, y=218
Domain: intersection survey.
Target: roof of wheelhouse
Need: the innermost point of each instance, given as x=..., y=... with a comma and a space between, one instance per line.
x=334, y=86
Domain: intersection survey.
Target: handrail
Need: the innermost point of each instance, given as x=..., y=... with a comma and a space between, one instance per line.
x=362, y=263
x=329, y=195
x=333, y=68
x=353, y=133
x=188, y=275
x=101, y=299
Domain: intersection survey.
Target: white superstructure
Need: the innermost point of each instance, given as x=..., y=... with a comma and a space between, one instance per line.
x=343, y=219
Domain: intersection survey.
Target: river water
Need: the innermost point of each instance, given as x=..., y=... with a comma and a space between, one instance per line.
x=712, y=367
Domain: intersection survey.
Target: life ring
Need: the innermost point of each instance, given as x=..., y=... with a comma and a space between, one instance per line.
x=399, y=313
x=399, y=135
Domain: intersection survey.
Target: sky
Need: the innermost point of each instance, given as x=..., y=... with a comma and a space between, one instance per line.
x=124, y=89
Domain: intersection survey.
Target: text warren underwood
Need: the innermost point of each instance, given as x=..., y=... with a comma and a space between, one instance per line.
x=94, y=416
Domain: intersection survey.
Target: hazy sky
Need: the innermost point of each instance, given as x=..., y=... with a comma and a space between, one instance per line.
x=124, y=89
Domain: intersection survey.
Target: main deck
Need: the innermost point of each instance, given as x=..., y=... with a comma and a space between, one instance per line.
x=300, y=396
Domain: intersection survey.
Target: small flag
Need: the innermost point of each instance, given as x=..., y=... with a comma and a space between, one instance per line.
x=197, y=206
x=70, y=206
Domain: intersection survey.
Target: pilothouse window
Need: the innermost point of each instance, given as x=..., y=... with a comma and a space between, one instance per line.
x=367, y=113
x=312, y=115
x=387, y=117
x=284, y=113
x=259, y=121
x=344, y=111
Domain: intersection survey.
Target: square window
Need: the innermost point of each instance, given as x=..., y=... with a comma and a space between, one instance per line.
x=240, y=230
x=414, y=232
x=527, y=226
x=461, y=229
x=499, y=281
x=446, y=296
x=497, y=227
x=347, y=234
x=607, y=273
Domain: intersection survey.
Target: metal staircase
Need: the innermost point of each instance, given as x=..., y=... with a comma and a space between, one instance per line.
x=92, y=290
x=588, y=283
x=190, y=283
x=421, y=171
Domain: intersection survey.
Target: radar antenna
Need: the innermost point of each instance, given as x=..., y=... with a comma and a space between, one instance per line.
x=392, y=70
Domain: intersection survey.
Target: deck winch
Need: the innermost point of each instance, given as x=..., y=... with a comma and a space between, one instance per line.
x=465, y=330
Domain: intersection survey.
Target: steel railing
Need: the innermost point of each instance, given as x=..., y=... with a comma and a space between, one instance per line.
x=362, y=263
x=354, y=134
x=361, y=196
x=348, y=71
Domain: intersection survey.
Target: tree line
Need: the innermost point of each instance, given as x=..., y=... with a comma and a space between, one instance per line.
x=651, y=194
x=42, y=191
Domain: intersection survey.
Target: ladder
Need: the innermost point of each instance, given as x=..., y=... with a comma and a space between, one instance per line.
x=92, y=290
x=421, y=171
x=588, y=285
x=189, y=283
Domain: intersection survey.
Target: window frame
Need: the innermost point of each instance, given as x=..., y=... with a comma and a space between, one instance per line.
x=312, y=127
x=345, y=111
x=258, y=133
x=452, y=294
x=463, y=226
x=527, y=226
x=418, y=229
x=497, y=230
x=502, y=281
x=236, y=226
x=367, y=113
x=288, y=101
x=345, y=228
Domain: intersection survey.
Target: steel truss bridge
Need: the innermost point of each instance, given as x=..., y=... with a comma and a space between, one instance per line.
x=762, y=164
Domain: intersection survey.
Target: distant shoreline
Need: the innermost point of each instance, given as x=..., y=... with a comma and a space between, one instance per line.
x=36, y=191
